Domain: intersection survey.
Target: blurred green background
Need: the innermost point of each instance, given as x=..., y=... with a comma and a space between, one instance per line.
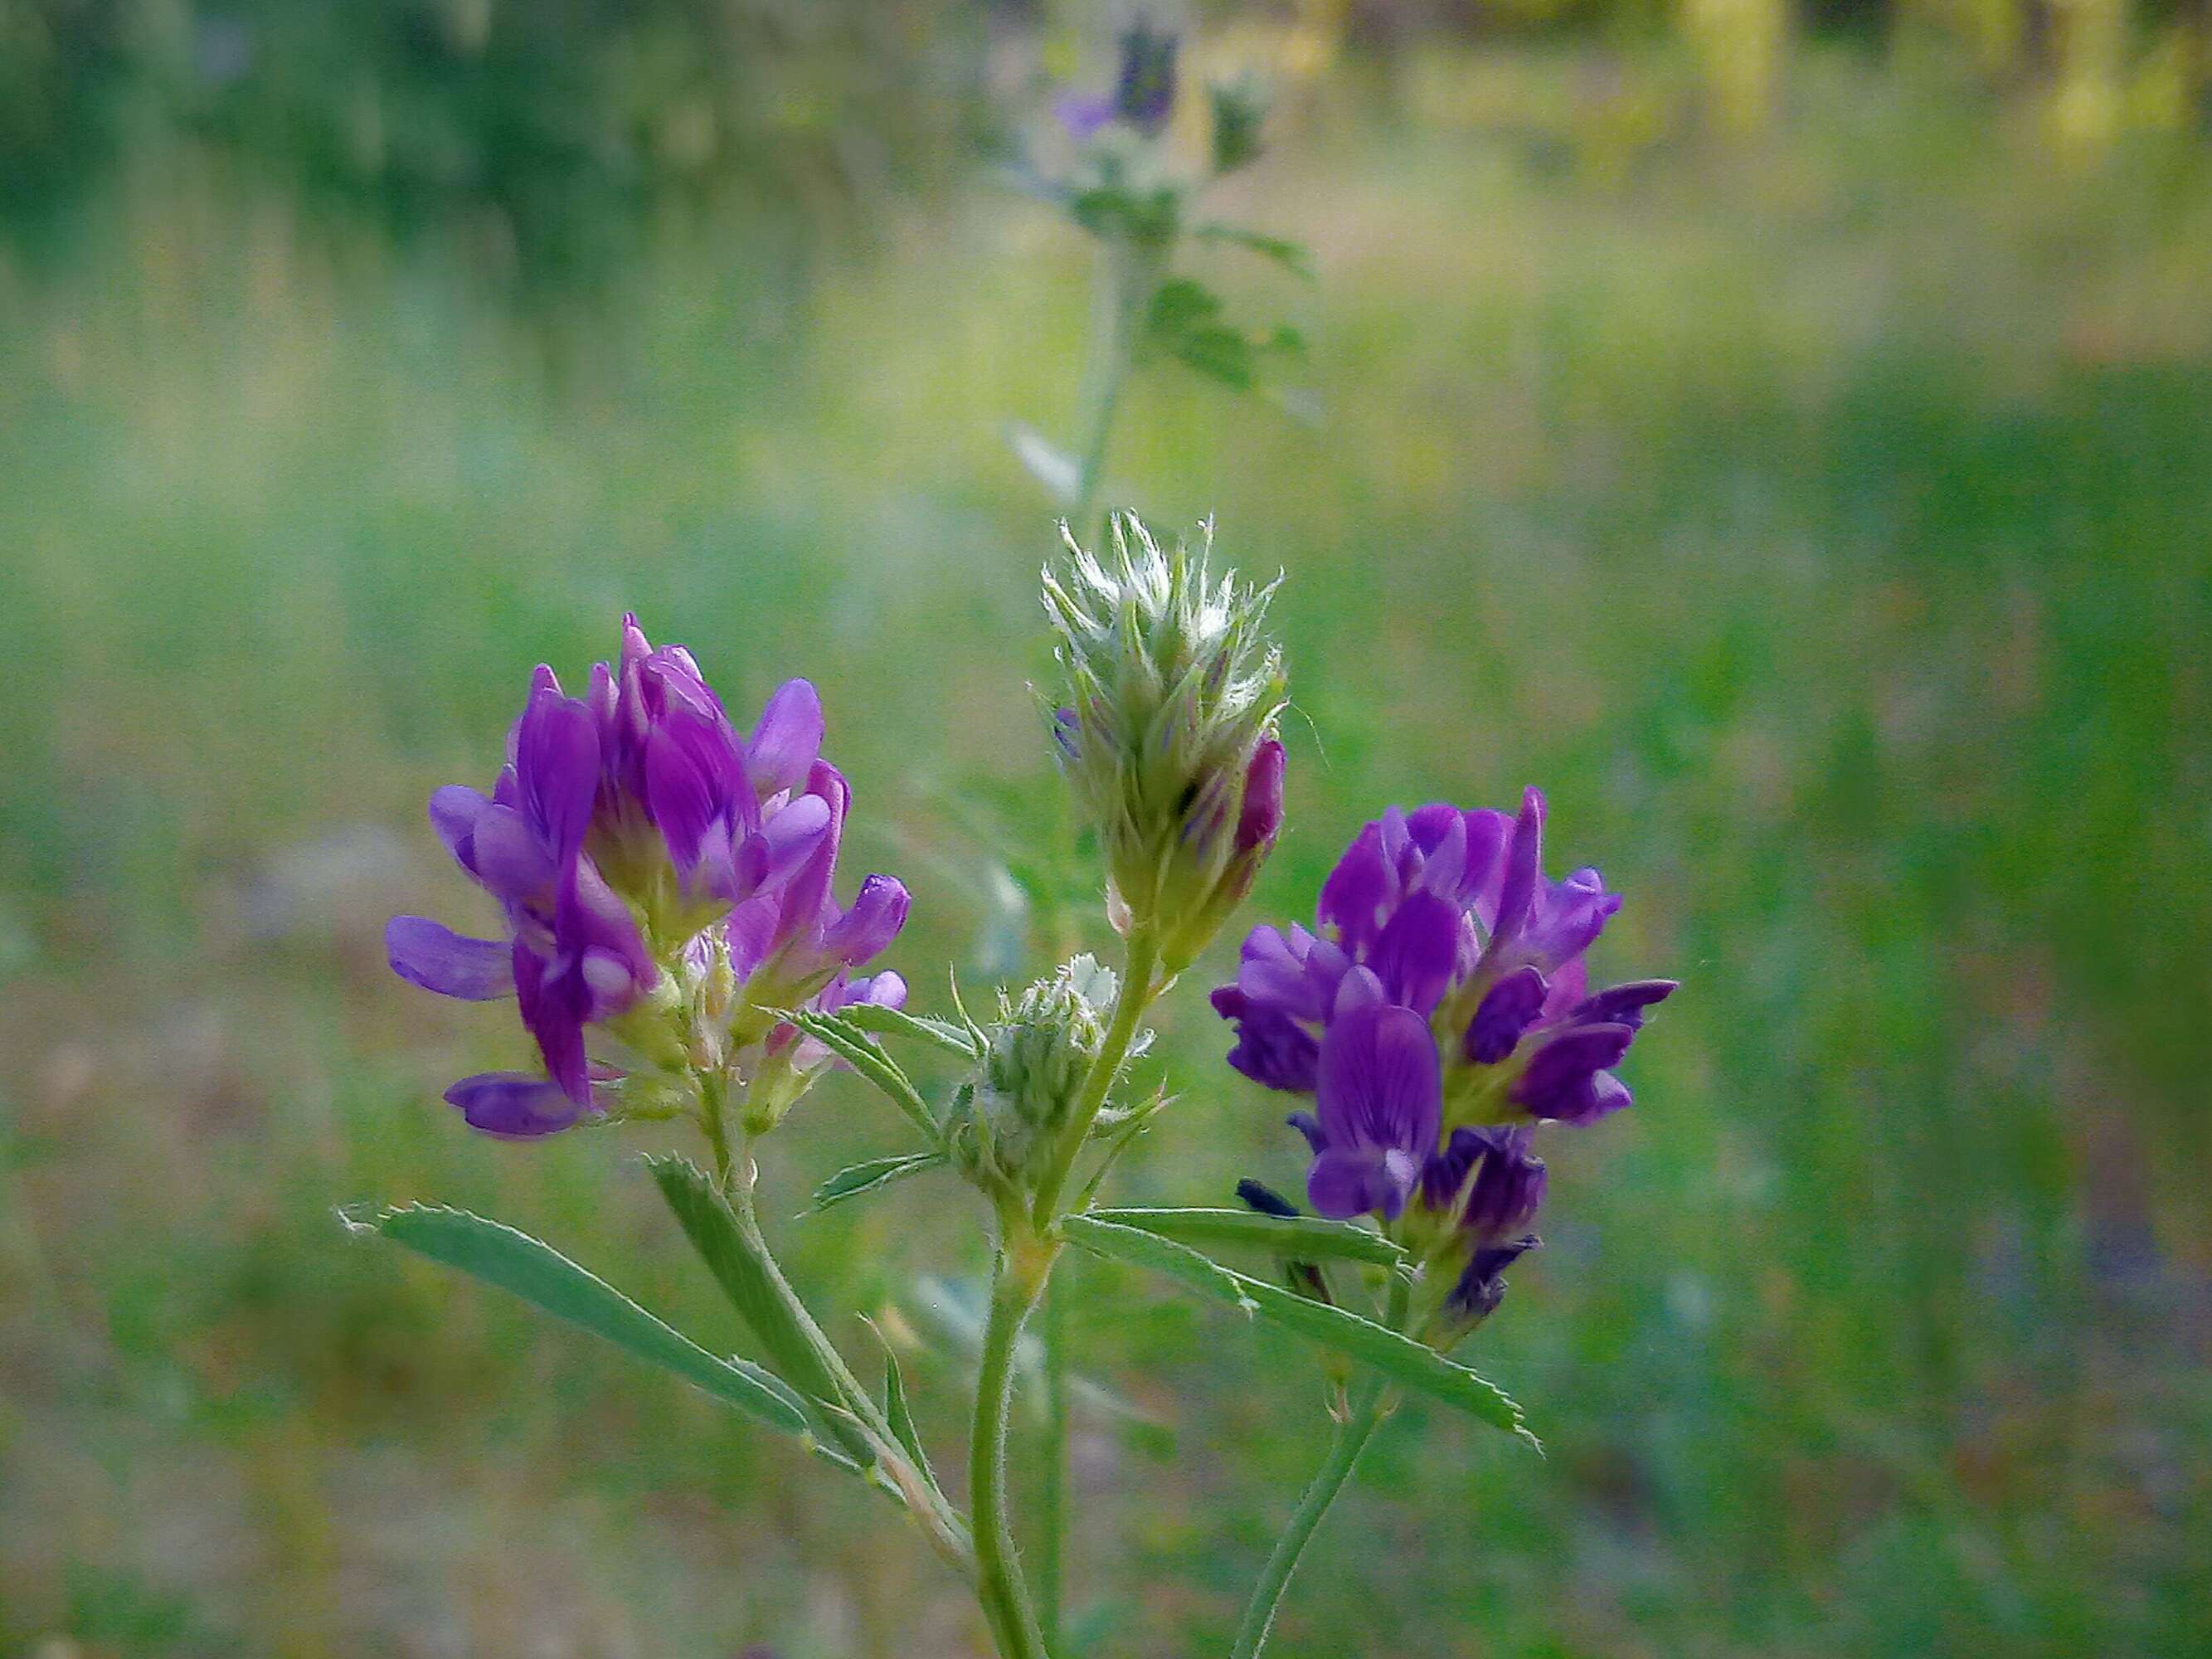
x=1781, y=433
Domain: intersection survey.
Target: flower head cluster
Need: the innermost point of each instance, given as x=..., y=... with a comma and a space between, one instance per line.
x=1439, y=1008
x=662, y=880
x=1167, y=738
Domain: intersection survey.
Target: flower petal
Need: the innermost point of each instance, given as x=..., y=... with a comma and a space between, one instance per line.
x=1505, y=1011
x=1413, y=957
x=433, y=955
x=787, y=740
x=515, y=1106
x=1378, y=1084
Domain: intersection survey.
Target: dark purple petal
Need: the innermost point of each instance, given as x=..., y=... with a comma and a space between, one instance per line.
x=1506, y=1010
x=1599, y=1095
x=787, y=740
x=1271, y=1049
x=1378, y=1084
x=1349, y=1181
x=1067, y=730
x=1623, y=1005
x=1264, y=1200
x=1509, y=1185
x=1309, y=1126
x=1563, y=1067
x=1482, y=1284
x=515, y=1106
x=1261, y=815
x=681, y=795
x=1414, y=956
x=428, y=954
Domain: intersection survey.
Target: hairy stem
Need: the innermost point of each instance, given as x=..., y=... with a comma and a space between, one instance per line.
x=1052, y=1554
x=1018, y=1276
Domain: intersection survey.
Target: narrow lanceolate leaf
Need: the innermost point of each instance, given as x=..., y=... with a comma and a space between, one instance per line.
x=1202, y=1273
x=880, y=1021
x=897, y=1412
x=542, y=1276
x=1304, y=1237
x=877, y=1172
x=865, y=1056
x=1400, y=1359
x=756, y=1290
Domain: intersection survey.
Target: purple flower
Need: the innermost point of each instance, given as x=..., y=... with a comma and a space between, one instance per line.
x=1144, y=91
x=1437, y=1010
x=634, y=835
x=788, y=944
x=1450, y=910
x=1378, y=1102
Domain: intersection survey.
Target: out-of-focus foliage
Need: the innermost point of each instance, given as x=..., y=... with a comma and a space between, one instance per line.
x=549, y=127
x=1820, y=512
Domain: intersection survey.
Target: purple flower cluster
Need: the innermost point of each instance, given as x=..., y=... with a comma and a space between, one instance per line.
x=639, y=847
x=1439, y=1007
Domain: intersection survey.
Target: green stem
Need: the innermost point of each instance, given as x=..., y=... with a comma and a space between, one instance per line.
x=1364, y=1411
x=1129, y=1004
x=1052, y=1555
x=1121, y=292
x=1015, y=1286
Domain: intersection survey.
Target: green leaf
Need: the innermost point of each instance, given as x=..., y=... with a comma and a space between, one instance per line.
x=1304, y=1237
x=1292, y=256
x=755, y=1288
x=1059, y=472
x=1179, y=305
x=878, y=1172
x=897, y=1412
x=880, y=1021
x=542, y=1276
x=862, y=1052
x=1400, y=1359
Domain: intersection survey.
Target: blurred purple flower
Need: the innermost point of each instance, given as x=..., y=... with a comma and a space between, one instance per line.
x=1143, y=92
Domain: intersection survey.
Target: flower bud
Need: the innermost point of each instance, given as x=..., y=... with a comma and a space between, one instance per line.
x=1167, y=737
x=1041, y=1054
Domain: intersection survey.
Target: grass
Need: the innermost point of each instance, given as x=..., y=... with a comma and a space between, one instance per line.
x=1823, y=523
